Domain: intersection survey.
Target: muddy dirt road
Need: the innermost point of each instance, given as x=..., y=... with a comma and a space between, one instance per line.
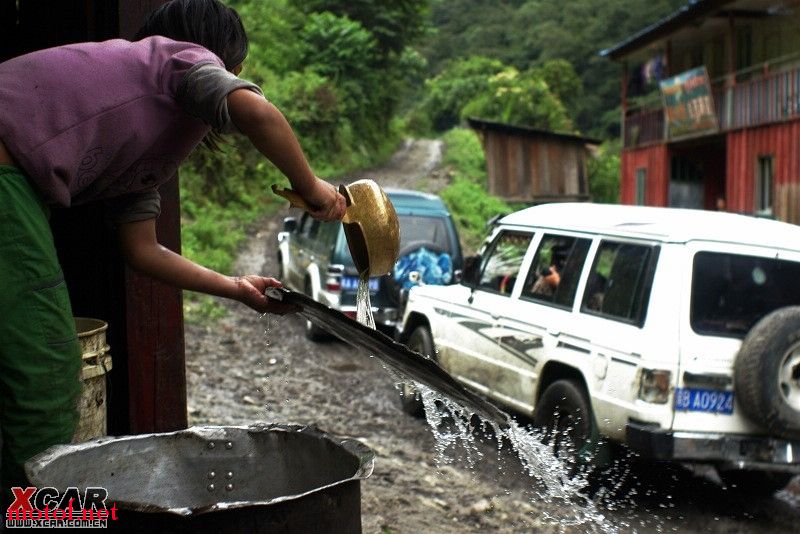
x=245, y=369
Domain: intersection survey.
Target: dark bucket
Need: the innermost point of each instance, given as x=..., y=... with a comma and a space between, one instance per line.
x=263, y=478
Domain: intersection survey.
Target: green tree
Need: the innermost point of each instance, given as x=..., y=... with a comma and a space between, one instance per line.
x=563, y=81
x=395, y=24
x=519, y=98
x=387, y=64
x=529, y=33
x=448, y=92
x=604, y=172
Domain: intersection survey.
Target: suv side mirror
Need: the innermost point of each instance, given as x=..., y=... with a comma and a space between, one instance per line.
x=289, y=224
x=471, y=271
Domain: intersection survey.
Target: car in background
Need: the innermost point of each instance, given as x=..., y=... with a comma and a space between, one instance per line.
x=674, y=332
x=314, y=259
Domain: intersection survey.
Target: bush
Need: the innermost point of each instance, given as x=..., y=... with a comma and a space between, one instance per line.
x=604, y=173
x=519, y=98
x=466, y=197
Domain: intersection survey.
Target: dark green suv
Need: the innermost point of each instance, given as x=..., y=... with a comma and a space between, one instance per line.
x=315, y=260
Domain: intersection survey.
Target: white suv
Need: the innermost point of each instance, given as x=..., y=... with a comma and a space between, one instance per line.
x=676, y=332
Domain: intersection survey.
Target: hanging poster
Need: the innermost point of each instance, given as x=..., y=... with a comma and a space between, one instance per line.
x=689, y=104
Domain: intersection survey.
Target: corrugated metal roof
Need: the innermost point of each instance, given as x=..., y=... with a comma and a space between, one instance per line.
x=480, y=124
x=692, y=10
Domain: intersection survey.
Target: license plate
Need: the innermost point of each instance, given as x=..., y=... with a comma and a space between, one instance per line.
x=704, y=400
x=350, y=283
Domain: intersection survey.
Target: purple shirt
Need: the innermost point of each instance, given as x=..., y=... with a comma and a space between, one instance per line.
x=100, y=120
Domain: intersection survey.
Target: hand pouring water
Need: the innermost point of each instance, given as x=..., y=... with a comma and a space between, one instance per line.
x=370, y=225
x=373, y=236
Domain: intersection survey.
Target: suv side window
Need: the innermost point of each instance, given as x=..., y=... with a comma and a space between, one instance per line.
x=556, y=269
x=501, y=265
x=308, y=226
x=620, y=281
x=326, y=236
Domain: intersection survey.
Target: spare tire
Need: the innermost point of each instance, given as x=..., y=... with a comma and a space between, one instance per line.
x=767, y=373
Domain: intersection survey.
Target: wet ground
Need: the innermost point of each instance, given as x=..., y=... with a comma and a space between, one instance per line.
x=245, y=369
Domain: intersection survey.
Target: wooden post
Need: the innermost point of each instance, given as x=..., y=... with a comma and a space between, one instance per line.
x=154, y=330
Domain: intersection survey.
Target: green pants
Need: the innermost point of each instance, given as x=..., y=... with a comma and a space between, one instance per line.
x=40, y=357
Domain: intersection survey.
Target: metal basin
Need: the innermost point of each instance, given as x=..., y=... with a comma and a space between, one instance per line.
x=262, y=478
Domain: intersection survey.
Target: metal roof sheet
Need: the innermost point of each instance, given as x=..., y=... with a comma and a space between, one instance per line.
x=692, y=10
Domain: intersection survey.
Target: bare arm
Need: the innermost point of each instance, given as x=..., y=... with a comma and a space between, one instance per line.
x=143, y=253
x=271, y=134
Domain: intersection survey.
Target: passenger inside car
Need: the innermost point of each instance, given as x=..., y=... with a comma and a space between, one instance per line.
x=549, y=276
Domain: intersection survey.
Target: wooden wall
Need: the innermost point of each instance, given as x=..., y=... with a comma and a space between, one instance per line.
x=782, y=142
x=655, y=159
x=535, y=169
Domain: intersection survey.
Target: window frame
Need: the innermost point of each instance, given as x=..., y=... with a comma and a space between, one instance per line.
x=764, y=197
x=747, y=253
x=641, y=186
x=544, y=234
x=643, y=291
x=489, y=251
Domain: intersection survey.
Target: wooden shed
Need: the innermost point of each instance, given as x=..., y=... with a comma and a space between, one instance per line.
x=147, y=386
x=534, y=166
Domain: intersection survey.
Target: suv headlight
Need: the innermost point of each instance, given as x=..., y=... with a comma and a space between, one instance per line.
x=654, y=386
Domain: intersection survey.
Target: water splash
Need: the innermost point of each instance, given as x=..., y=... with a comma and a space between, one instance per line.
x=453, y=428
x=455, y=435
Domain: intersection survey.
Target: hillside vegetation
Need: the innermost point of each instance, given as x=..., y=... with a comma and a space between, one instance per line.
x=354, y=77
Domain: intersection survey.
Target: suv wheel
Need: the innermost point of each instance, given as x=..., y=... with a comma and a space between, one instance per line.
x=754, y=483
x=767, y=373
x=313, y=332
x=410, y=400
x=564, y=416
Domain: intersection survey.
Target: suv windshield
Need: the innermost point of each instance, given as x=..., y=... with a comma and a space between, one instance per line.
x=731, y=292
x=420, y=229
x=414, y=229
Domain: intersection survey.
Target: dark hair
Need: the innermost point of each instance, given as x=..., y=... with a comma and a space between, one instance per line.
x=208, y=23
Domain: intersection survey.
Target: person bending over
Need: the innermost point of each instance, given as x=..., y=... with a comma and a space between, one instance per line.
x=112, y=121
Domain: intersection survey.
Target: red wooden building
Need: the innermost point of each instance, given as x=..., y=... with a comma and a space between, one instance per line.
x=147, y=386
x=711, y=108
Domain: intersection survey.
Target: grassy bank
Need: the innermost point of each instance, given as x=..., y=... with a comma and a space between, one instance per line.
x=466, y=197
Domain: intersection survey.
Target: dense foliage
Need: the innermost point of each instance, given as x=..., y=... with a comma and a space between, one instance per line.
x=604, y=172
x=344, y=72
x=527, y=33
x=338, y=72
x=466, y=196
x=486, y=88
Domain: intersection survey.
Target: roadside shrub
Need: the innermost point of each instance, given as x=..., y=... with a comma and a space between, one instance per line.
x=604, y=173
x=465, y=154
x=466, y=197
